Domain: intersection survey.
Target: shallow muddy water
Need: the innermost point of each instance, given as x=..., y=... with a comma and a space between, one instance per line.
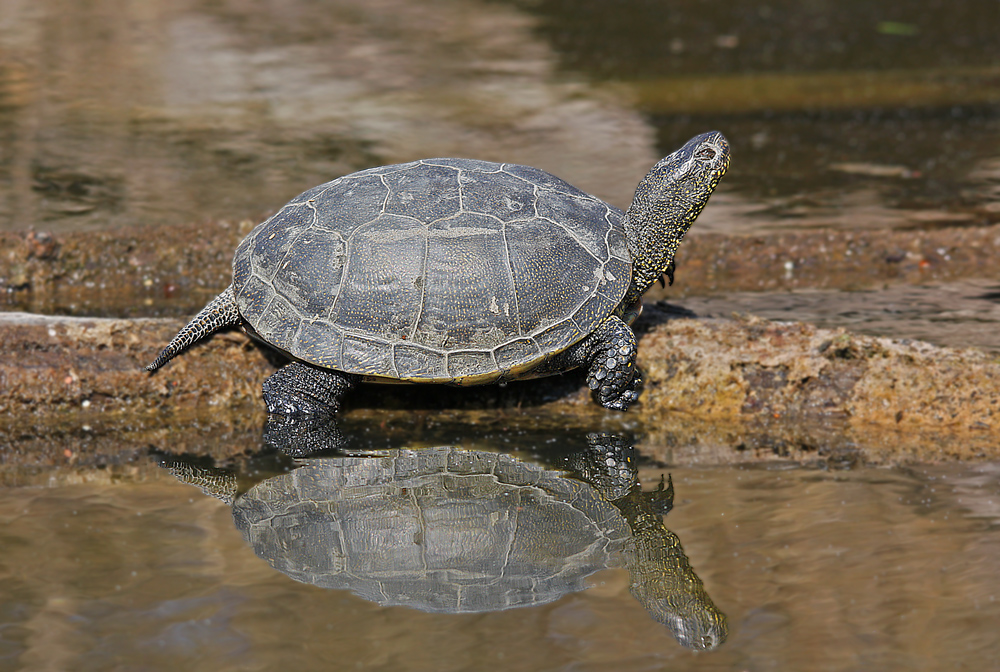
x=890, y=568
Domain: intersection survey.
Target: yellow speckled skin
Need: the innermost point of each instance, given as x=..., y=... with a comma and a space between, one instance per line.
x=441, y=270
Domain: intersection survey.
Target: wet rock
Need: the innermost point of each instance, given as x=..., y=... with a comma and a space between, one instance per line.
x=41, y=245
x=51, y=365
x=827, y=259
x=176, y=270
x=887, y=396
x=724, y=390
x=124, y=273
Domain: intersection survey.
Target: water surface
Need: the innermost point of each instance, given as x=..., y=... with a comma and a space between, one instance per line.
x=890, y=568
x=839, y=115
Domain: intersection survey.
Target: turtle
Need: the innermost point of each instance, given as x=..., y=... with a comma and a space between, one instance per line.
x=457, y=271
x=449, y=530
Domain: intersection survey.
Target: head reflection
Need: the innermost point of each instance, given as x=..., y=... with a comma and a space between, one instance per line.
x=451, y=530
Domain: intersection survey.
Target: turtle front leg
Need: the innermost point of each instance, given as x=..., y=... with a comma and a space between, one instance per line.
x=300, y=389
x=609, y=353
x=613, y=377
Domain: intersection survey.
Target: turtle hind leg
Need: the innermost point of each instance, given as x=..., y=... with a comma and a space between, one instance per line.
x=220, y=312
x=300, y=389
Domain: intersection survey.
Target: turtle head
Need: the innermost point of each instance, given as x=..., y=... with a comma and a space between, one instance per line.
x=666, y=203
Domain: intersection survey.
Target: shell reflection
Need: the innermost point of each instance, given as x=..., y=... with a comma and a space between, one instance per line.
x=450, y=530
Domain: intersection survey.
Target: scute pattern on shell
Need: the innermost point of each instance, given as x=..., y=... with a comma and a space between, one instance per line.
x=398, y=523
x=440, y=270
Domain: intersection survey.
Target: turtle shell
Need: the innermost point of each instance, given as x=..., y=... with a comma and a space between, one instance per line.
x=436, y=529
x=440, y=270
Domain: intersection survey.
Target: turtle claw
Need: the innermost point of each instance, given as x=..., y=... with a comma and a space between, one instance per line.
x=621, y=403
x=620, y=400
x=282, y=406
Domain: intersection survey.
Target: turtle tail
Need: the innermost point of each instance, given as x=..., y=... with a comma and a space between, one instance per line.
x=220, y=312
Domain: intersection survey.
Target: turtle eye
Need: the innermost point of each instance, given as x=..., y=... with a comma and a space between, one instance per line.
x=705, y=153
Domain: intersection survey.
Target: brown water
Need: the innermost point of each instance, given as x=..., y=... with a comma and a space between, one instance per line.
x=843, y=114
x=890, y=569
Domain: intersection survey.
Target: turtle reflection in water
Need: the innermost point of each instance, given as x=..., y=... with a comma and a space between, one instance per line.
x=453, y=530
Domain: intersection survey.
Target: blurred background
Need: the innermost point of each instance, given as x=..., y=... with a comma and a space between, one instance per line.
x=848, y=114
